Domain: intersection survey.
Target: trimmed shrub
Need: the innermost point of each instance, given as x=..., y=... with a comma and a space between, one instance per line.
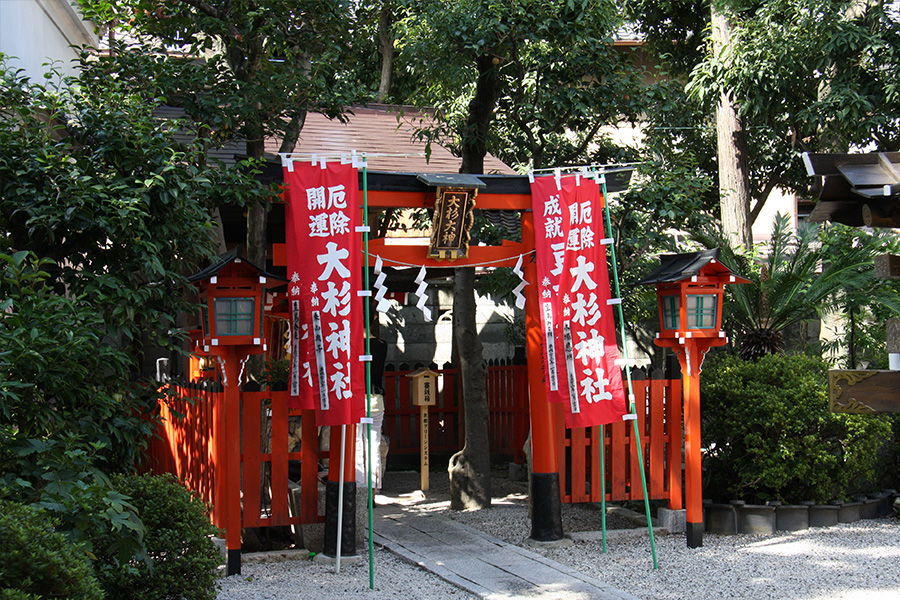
x=181, y=559
x=769, y=433
x=36, y=561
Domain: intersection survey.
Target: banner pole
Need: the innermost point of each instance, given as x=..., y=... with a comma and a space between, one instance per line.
x=368, y=446
x=631, y=400
x=340, y=518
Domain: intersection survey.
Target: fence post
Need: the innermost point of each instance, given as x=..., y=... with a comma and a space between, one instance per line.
x=232, y=461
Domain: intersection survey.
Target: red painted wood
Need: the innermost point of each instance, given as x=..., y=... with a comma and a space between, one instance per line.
x=577, y=478
x=619, y=452
x=505, y=255
x=656, y=479
x=595, y=442
x=218, y=444
x=309, y=468
x=232, y=450
x=635, y=486
x=280, y=500
x=251, y=459
x=673, y=438
x=192, y=447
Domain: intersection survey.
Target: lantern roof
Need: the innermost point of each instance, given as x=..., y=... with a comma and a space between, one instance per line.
x=233, y=256
x=678, y=267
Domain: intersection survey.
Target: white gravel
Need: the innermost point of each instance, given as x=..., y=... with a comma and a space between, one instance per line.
x=857, y=561
x=851, y=561
x=310, y=580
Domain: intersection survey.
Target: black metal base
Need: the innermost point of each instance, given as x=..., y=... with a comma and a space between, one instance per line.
x=233, y=565
x=694, y=535
x=348, y=528
x=546, y=508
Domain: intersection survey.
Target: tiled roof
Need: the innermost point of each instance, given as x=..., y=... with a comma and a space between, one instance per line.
x=381, y=129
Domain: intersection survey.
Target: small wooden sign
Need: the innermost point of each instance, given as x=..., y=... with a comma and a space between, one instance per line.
x=863, y=392
x=453, y=218
x=424, y=394
x=424, y=391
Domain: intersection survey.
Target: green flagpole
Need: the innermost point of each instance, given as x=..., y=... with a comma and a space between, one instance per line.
x=371, y=498
x=631, y=403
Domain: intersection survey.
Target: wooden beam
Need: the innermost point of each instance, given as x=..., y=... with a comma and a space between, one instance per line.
x=875, y=214
x=887, y=266
x=498, y=256
x=484, y=201
x=863, y=392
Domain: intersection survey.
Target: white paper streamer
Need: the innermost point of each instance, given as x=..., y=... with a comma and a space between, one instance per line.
x=382, y=305
x=517, y=292
x=224, y=375
x=420, y=292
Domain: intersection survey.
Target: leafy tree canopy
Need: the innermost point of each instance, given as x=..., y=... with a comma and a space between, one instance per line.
x=256, y=67
x=559, y=77
x=91, y=180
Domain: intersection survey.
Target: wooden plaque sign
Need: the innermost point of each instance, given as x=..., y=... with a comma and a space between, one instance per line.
x=453, y=219
x=863, y=392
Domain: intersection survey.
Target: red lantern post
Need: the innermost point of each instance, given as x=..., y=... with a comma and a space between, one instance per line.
x=232, y=315
x=690, y=288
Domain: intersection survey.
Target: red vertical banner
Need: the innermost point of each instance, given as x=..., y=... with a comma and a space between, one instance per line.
x=579, y=334
x=325, y=271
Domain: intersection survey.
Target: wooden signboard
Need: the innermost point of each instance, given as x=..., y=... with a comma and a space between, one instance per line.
x=863, y=392
x=424, y=394
x=453, y=220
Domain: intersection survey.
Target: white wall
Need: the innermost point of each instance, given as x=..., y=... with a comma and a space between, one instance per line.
x=40, y=31
x=778, y=202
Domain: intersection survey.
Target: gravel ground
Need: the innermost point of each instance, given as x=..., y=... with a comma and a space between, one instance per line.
x=846, y=562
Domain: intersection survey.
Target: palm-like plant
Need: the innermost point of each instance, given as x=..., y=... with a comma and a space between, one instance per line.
x=795, y=277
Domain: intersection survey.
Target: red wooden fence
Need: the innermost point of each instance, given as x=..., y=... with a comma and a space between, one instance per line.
x=191, y=445
x=658, y=407
x=507, y=392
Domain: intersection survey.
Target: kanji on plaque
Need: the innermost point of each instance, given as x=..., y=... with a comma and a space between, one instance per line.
x=580, y=348
x=325, y=272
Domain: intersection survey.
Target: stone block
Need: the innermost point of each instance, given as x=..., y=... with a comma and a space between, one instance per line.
x=673, y=521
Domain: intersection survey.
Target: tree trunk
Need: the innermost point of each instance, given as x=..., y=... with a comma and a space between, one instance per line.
x=734, y=180
x=470, y=468
x=386, y=45
x=481, y=112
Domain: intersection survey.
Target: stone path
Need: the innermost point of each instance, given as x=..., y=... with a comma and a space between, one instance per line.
x=481, y=564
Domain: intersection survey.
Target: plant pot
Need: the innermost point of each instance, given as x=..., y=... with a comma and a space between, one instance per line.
x=884, y=500
x=791, y=517
x=823, y=515
x=868, y=508
x=756, y=519
x=721, y=519
x=848, y=512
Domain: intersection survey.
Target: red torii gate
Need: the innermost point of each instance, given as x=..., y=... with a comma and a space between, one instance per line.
x=546, y=513
x=501, y=192
x=393, y=190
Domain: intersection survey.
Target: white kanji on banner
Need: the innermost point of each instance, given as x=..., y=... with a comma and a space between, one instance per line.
x=579, y=334
x=324, y=259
